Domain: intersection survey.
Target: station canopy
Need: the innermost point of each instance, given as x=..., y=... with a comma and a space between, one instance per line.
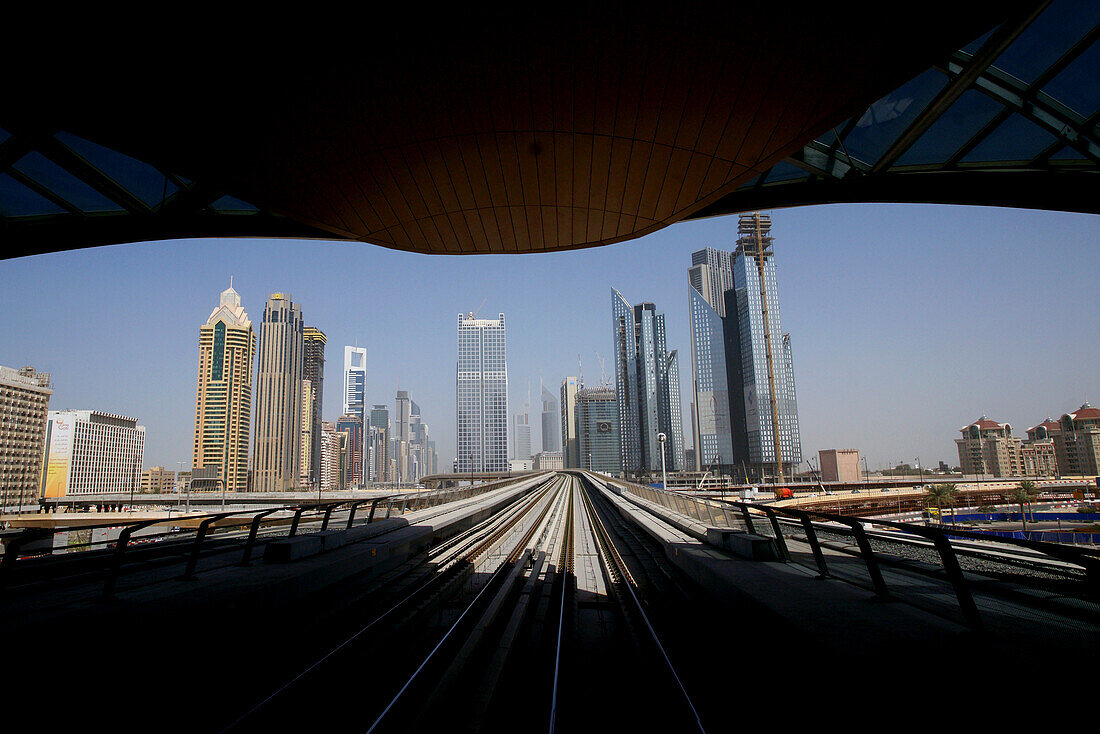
x=530, y=130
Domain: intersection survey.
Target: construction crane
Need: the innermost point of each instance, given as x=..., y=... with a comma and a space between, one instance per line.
x=603, y=373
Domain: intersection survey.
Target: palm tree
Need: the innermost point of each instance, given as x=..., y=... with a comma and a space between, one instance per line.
x=941, y=494
x=1022, y=494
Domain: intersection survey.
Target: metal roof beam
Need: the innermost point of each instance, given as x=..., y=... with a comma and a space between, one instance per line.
x=1001, y=39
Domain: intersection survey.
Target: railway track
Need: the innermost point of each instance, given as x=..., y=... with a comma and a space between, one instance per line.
x=542, y=618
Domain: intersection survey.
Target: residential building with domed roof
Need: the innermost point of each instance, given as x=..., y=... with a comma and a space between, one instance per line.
x=1077, y=442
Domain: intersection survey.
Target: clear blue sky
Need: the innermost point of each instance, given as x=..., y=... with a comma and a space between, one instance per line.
x=906, y=321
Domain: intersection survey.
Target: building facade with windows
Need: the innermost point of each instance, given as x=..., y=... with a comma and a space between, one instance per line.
x=647, y=380
x=92, y=452
x=569, y=452
x=482, y=394
x=355, y=402
x=988, y=447
x=598, y=440
x=759, y=363
x=276, y=457
x=709, y=277
x=24, y=412
x=313, y=369
x=223, y=399
x=1077, y=442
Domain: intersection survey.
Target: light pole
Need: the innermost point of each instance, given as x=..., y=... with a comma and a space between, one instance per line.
x=664, y=475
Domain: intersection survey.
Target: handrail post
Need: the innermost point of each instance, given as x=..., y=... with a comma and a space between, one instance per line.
x=780, y=542
x=869, y=558
x=116, y=559
x=958, y=581
x=197, y=545
x=373, y=507
x=297, y=518
x=351, y=513
x=748, y=518
x=815, y=545
x=328, y=514
x=253, y=529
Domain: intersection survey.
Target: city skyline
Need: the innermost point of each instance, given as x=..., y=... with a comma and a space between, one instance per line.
x=931, y=346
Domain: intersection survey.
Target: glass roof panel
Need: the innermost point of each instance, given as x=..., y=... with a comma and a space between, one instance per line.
x=1016, y=139
x=67, y=186
x=1048, y=37
x=962, y=121
x=140, y=179
x=887, y=118
x=1078, y=86
x=1068, y=154
x=227, y=204
x=784, y=171
x=16, y=200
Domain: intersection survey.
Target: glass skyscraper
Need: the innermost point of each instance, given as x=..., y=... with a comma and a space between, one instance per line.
x=709, y=277
x=598, y=439
x=647, y=379
x=482, y=395
x=759, y=365
x=355, y=401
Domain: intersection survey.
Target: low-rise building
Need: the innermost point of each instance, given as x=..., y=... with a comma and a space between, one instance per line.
x=839, y=465
x=158, y=480
x=548, y=461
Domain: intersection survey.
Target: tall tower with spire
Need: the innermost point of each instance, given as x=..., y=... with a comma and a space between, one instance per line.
x=223, y=401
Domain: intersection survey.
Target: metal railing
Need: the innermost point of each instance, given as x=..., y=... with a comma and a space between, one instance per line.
x=745, y=516
x=212, y=531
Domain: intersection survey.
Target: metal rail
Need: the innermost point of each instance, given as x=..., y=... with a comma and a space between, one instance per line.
x=717, y=514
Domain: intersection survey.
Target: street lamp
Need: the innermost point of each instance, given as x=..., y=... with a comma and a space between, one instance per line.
x=664, y=475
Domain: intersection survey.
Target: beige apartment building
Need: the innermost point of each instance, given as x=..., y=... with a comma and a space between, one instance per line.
x=158, y=480
x=548, y=461
x=223, y=401
x=24, y=409
x=988, y=447
x=839, y=465
x=1077, y=442
x=1038, y=452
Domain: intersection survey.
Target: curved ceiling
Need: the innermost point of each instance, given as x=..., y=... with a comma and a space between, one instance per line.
x=521, y=132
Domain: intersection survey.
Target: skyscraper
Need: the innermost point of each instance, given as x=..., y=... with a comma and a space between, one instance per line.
x=355, y=400
x=521, y=435
x=276, y=462
x=352, y=425
x=598, y=441
x=313, y=369
x=710, y=276
x=759, y=364
x=379, y=437
x=402, y=434
x=223, y=399
x=551, y=421
x=482, y=395
x=569, y=454
x=647, y=379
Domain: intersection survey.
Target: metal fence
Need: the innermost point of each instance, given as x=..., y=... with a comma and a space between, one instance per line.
x=765, y=519
x=29, y=554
